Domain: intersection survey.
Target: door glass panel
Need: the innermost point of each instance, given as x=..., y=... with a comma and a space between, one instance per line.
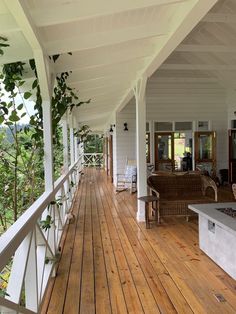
x=205, y=146
x=164, y=147
x=233, y=144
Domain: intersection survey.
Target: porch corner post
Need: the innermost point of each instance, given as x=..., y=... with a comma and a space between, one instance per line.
x=48, y=146
x=140, y=93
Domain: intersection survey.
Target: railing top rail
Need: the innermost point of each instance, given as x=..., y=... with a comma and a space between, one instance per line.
x=12, y=238
x=93, y=153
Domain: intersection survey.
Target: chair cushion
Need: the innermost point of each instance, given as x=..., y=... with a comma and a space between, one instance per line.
x=130, y=172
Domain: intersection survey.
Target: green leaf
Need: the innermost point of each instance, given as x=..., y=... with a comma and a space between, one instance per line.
x=1, y=119
x=35, y=84
x=23, y=114
x=21, y=83
x=14, y=117
x=27, y=95
x=20, y=107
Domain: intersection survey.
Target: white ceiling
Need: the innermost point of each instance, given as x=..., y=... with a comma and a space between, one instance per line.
x=114, y=42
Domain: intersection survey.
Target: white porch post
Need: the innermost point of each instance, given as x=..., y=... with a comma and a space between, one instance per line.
x=48, y=151
x=72, y=150
x=76, y=147
x=139, y=92
x=65, y=145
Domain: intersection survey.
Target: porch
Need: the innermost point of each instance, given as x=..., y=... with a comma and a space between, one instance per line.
x=111, y=263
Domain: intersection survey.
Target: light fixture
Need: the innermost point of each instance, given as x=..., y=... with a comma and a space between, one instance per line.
x=126, y=126
x=111, y=128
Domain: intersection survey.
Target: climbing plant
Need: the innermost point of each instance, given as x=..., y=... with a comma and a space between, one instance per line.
x=21, y=146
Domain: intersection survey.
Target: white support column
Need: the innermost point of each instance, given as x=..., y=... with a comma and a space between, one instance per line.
x=48, y=151
x=72, y=150
x=65, y=145
x=76, y=147
x=139, y=92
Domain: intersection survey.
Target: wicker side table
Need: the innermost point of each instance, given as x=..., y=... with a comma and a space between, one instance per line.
x=150, y=199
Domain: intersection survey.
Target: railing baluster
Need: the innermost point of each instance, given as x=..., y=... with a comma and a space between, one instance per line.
x=35, y=247
x=31, y=277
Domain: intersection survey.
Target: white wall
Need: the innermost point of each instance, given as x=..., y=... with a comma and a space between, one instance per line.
x=176, y=102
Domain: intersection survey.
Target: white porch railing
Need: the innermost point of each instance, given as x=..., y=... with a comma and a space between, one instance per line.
x=93, y=159
x=31, y=246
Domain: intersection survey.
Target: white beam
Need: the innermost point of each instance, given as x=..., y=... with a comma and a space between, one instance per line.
x=97, y=59
x=102, y=39
x=106, y=70
x=73, y=11
x=25, y=22
x=191, y=15
x=206, y=48
x=8, y=24
x=201, y=67
x=220, y=18
x=139, y=93
x=186, y=18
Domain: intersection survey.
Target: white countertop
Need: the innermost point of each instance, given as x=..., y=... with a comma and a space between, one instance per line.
x=221, y=219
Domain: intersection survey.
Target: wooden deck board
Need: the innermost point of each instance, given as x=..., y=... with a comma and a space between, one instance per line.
x=112, y=264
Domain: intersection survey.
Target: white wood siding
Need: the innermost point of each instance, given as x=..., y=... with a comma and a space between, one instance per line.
x=176, y=102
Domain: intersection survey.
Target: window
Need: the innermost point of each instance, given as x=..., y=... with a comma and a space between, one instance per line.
x=163, y=126
x=147, y=127
x=203, y=125
x=183, y=126
x=148, y=147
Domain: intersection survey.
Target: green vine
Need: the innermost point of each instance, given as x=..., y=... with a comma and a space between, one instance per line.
x=3, y=44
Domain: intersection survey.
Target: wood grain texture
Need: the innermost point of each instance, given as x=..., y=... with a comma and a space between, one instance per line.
x=112, y=264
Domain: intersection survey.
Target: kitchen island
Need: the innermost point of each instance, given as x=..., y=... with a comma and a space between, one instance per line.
x=217, y=233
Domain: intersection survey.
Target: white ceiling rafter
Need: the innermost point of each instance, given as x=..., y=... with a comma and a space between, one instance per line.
x=26, y=24
x=206, y=48
x=219, y=18
x=191, y=14
x=51, y=14
x=103, y=39
x=205, y=67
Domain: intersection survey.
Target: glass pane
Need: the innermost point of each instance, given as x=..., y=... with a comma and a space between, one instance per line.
x=147, y=127
x=163, y=126
x=203, y=126
x=183, y=126
x=164, y=147
x=147, y=147
x=233, y=145
x=205, y=146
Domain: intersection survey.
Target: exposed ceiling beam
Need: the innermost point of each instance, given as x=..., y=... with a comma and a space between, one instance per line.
x=201, y=67
x=101, y=57
x=186, y=80
x=74, y=11
x=103, y=39
x=102, y=70
x=26, y=24
x=206, y=48
x=191, y=13
x=8, y=24
x=219, y=18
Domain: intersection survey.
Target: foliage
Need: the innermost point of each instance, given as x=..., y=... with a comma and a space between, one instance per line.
x=93, y=144
x=21, y=146
x=3, y=44
x=47, y=223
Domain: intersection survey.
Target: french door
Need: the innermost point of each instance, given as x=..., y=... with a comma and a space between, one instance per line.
x=164, y=151
x=232, y=156
x=205, y=151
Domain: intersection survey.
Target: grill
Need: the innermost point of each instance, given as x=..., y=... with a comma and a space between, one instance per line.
x=228, y=211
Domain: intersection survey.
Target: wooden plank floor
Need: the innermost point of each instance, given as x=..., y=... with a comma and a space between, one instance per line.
x=112, y=264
